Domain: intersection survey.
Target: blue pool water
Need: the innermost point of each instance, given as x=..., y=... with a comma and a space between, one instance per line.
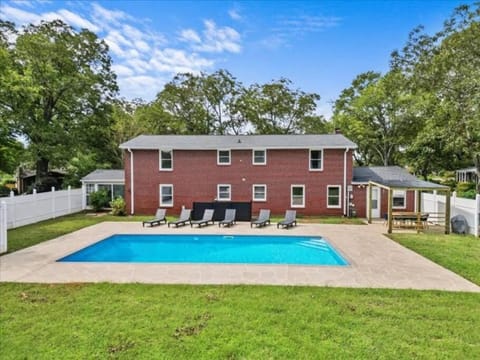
x=244, y=249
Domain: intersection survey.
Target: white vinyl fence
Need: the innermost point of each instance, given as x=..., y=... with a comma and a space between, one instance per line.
x=3, y=227
x=28, y=209
x=470, y=208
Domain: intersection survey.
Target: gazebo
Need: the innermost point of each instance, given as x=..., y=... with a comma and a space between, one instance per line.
x=408, y=183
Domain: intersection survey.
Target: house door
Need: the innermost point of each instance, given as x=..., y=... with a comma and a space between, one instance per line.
x=375, y=202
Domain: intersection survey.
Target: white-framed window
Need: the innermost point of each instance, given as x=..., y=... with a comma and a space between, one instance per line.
x=259, y=192
x=166, y=160
x=399, y=199
x=259, y=157
x=316, y=160
x=334, y=196
x=166, y=195
x=297, y=196
x=223, y=157
x=224, y=192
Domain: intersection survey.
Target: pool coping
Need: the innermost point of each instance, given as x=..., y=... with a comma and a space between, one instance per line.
x=375, y=261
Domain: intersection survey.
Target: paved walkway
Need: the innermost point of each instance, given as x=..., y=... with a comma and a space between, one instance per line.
x=375, y=261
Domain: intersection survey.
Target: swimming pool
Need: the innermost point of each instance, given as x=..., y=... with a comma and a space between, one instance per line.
x=226, y=249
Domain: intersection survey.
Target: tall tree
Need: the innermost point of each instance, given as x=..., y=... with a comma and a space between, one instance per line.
x=57, y=91
x=276, y=108
x=373, y=112
x=443, y=72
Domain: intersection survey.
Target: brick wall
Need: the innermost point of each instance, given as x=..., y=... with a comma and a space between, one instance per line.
x=195, y=177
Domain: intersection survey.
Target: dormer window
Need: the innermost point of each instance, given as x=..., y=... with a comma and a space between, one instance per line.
x=223, y=157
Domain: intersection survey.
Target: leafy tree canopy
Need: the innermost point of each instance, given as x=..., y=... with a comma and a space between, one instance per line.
x=57, y=88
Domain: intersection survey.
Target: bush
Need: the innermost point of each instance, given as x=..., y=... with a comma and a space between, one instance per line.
x=99, y=199
x=466, y=190
x=118, y=206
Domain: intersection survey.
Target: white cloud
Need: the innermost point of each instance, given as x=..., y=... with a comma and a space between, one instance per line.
x=25, y=3
x=141, y=59
x=175, y=61
x=307, y=23
x=22, y=17
x=214, y=39
x=18, y=16
x=145, y=87
x=235, y=14
x=110, y=16
x=122, y=70
x=190, y=35
x=76, y=20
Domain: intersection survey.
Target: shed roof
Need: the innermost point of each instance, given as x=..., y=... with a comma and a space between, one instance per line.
x=393, y=177
x=100, y=175
x=238, y=142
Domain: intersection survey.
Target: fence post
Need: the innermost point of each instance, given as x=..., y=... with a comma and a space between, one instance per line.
x=84, y=196
x=3, y=227
x=69, y=193
x=477, y=215
x=14, y=207
x=53, y=202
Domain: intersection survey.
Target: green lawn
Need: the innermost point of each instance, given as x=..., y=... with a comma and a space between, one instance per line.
x=96, y=321
x=458, y=253
x=129, y=321
x=29, y=235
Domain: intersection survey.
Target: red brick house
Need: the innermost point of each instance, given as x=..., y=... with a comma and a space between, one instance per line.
x=309, y=173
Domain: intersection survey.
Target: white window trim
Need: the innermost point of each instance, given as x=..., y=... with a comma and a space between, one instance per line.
x=160, y=195
x=265, y=157
x=229, y=192
x=253, y=193
x=160, y=159
x=404, y=200
x=291, y=196
x=310, y=159
x=339, y=206
x=229, y=157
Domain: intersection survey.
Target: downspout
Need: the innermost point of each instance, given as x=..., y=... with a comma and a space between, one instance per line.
x=132, y=191
x=345, y=203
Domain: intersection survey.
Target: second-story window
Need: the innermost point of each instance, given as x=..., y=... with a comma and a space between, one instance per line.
x=259, y=157
x=223, y=157
x=166, y=160
x=316, y=157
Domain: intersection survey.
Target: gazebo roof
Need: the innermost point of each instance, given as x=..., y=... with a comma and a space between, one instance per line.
x=393, y=177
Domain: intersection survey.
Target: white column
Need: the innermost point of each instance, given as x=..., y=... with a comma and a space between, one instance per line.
x=3, y=227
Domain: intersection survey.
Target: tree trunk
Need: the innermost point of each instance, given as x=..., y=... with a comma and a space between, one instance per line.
x=42, y=170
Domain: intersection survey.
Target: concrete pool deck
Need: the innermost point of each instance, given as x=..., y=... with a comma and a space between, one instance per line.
x=375, y=261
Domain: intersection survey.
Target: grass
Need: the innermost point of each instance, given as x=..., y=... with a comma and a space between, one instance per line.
x=29, y=235
x=80, y=321
x=459, y=253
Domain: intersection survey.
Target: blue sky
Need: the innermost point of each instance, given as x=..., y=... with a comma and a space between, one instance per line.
x=319, y=45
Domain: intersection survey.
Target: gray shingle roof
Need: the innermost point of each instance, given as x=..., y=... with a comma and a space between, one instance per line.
x=211, y=142
x=105, y=175
x=393, y=176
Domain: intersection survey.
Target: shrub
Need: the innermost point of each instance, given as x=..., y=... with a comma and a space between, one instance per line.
x=99, y=199
x=118, y=206
x=466, y=190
